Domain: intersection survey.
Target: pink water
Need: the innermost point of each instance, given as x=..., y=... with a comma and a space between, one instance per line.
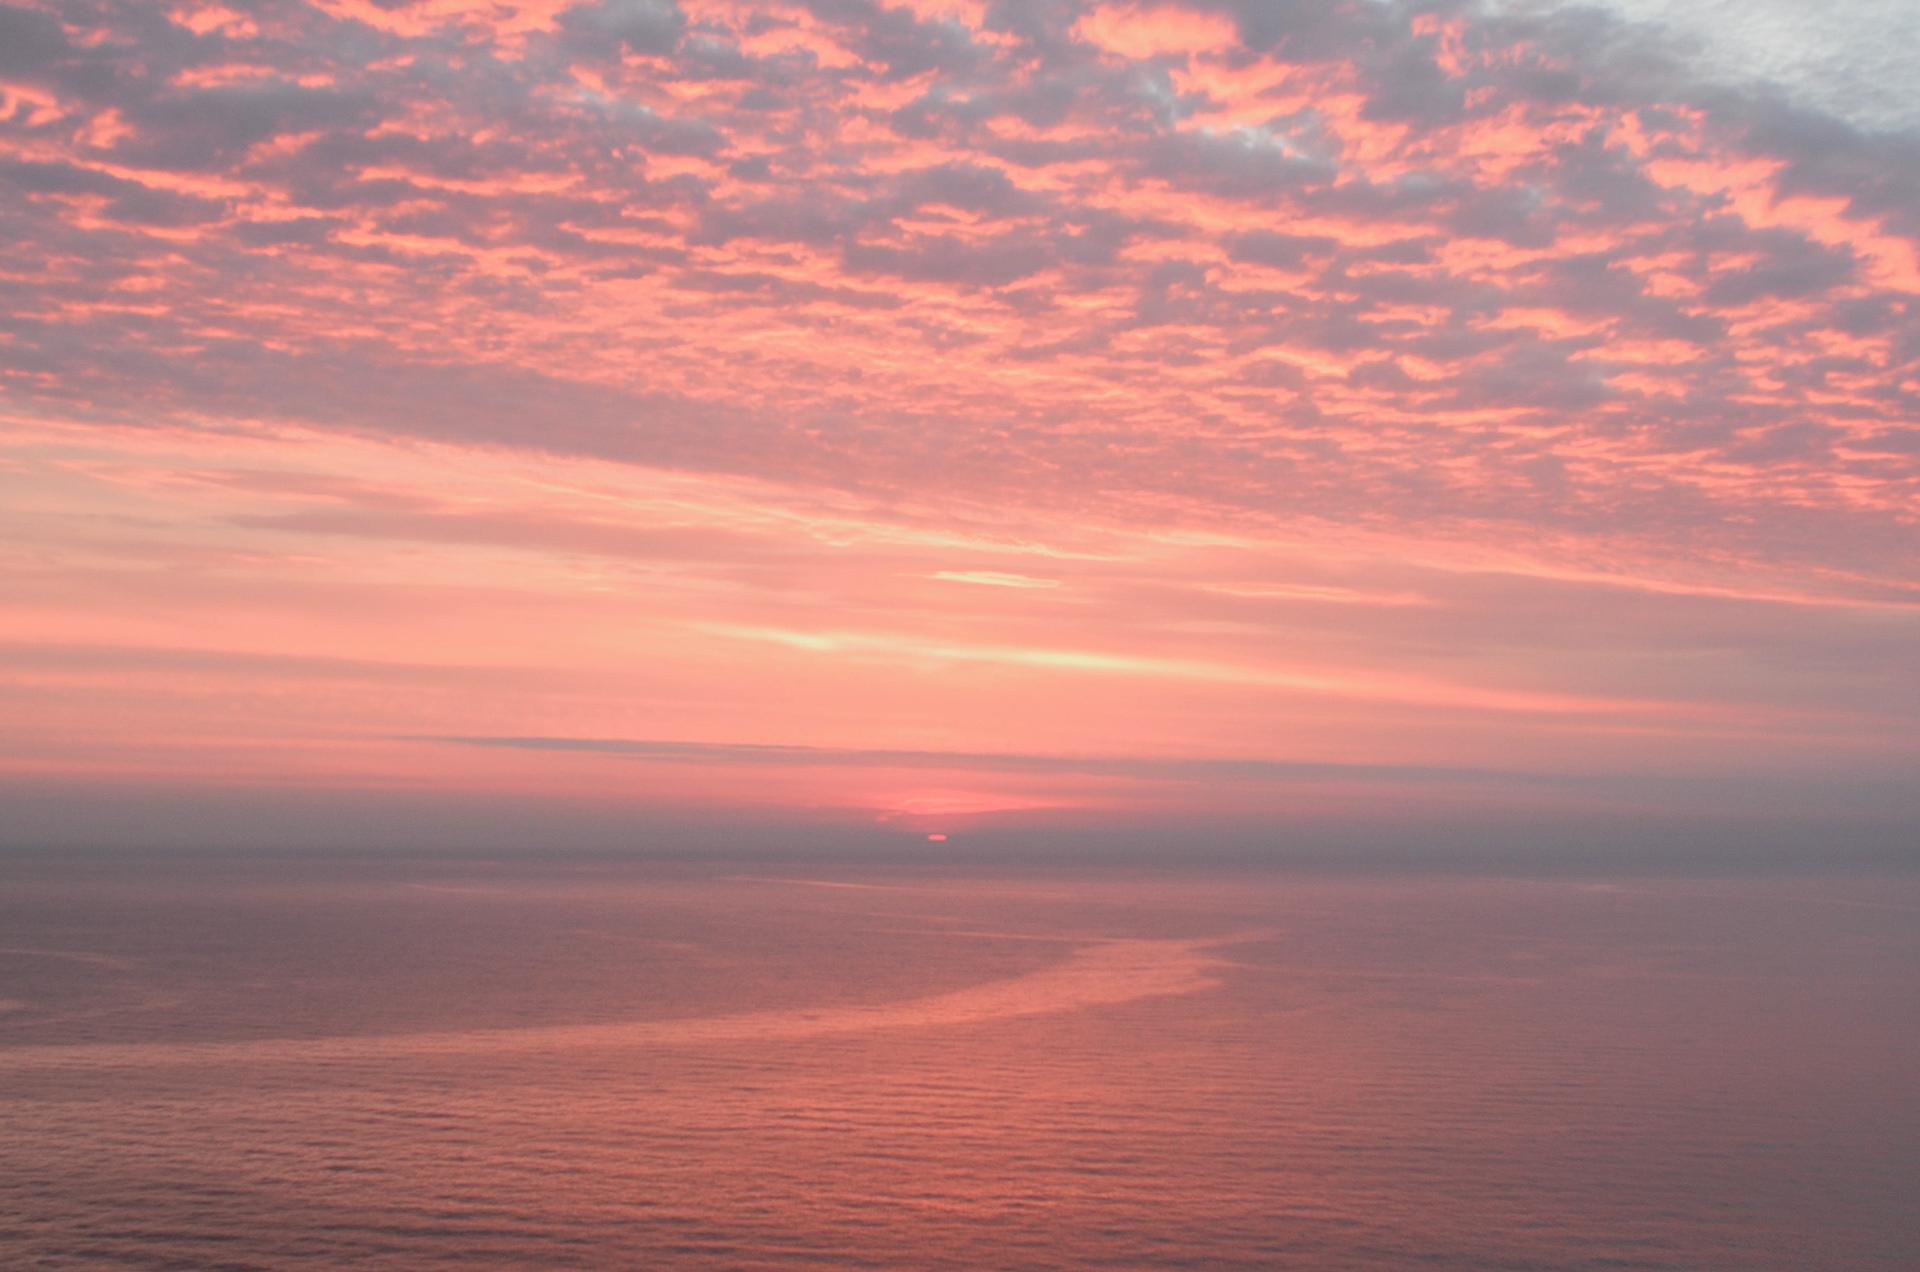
x=299, y=1063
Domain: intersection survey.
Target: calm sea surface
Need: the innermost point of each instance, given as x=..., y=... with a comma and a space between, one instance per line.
x=285, y=1063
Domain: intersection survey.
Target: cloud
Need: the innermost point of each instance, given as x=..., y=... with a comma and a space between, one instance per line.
x=1527, y=296
x=640, y=26
x=1150, y=768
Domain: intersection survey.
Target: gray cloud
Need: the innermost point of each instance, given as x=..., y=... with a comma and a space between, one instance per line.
x=1137, y=767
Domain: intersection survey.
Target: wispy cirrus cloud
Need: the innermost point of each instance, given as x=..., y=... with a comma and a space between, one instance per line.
x=1160, y=768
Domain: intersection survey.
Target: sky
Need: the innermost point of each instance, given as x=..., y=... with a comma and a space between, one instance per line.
x=955, y=417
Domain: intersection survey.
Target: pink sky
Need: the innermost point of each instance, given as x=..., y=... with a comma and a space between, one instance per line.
x=950, y=411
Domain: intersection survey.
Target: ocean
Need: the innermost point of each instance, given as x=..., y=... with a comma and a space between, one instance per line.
x=354, y=1060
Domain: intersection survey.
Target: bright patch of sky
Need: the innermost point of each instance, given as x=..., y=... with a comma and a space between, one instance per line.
x=1854, y=58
